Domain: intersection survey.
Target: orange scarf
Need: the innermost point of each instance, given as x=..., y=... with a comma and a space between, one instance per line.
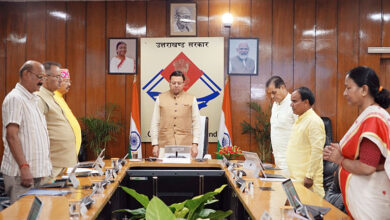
x=371, y=123
x=120, y=63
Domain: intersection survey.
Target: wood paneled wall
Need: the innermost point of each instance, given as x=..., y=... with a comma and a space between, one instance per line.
x=309, y=43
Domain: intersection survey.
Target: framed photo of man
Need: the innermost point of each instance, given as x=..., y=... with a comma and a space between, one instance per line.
x=183, y=19
x=122, y=55
x=243, y=56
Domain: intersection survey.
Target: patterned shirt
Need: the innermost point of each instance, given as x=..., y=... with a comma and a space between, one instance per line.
x=20, y=107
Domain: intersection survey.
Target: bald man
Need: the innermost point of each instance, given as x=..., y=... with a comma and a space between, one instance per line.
x=26, y=158
x=242, y=63
x=62, y=138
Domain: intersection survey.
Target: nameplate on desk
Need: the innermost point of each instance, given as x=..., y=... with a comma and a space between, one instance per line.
x=83, y=209
x=73, y=179
x=225, y=161
x=99, y=169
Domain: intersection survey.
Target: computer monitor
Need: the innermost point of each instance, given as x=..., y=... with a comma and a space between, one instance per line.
x=307, y=211
x=177, y=151
x=252, y=156
x=292, y=195
x=35, y=209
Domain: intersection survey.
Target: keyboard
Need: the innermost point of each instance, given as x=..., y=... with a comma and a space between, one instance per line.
x=275, y=176
x=59, y=184
x=86, y=164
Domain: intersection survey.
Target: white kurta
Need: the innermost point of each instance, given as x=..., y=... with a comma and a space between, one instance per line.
x=282, y=120
x=128, y=66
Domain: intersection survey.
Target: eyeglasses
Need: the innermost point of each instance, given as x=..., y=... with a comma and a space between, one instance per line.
x=57, y=76
x=67, y=81
x=39, y=76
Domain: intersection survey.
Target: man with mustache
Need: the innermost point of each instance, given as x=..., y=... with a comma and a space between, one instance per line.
x=62, y=139
x=59, y=98
x=242, y=63
x=176, y=118
x=306, y=143
x=26, y=143
x=183, y=19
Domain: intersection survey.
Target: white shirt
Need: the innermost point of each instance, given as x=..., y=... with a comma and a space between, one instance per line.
x=156, y=122
x=128, y=66
x=20, y=107
x=282, y=120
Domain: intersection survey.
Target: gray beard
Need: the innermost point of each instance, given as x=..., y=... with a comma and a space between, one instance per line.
x=243, y=57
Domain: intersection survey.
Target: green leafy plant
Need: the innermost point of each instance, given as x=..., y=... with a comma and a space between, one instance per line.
x=261, y=130
x=191, y=209
x=98, y=132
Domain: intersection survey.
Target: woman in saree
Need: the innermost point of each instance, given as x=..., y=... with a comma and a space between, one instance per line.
x=363, y=154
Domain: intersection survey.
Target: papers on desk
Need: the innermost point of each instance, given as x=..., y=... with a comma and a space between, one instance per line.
x=135, y=160
x=80, y=172
x=176, y=160
x=272, y=179
x=44, y=192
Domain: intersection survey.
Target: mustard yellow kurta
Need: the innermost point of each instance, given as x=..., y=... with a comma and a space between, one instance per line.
x=304, y=150
x=71, y=118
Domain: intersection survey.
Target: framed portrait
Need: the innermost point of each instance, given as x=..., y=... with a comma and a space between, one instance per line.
x=122, y=55
x=183, y=19
x=243, y=56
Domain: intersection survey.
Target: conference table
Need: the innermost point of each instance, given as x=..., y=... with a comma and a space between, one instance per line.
x=254, y=204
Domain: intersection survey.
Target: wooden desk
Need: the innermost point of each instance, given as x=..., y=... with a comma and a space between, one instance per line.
x=53, y=207
x=273, y=201
x=255, y=204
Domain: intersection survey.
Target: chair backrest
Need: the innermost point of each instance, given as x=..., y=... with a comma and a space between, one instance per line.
x=328, y=130
x=203, y=145
x=329, y=167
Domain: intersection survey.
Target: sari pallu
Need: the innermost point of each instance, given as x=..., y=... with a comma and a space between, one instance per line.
x=367, y=197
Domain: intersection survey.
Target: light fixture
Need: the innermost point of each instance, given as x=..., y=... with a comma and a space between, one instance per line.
x=378, y=50
x=227, y=19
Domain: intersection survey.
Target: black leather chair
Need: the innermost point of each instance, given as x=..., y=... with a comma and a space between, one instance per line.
x=329, y=167
x=204, y=137
x=330, y=172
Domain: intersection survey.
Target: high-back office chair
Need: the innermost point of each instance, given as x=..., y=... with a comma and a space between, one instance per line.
x=203, y=145
x=329, y=167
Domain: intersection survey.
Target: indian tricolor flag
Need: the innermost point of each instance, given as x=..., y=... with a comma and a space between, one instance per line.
x=225, y=135
x=135, y=149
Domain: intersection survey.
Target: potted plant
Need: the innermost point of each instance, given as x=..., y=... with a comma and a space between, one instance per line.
x=190, y=209
x=98, y=132
x=261, y=130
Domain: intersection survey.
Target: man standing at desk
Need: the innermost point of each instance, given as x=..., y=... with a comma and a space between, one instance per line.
x=62, y=139
x=26, y=142
x=304, y=150
x=59, y=97
x=282, y=119
x=176, y=119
